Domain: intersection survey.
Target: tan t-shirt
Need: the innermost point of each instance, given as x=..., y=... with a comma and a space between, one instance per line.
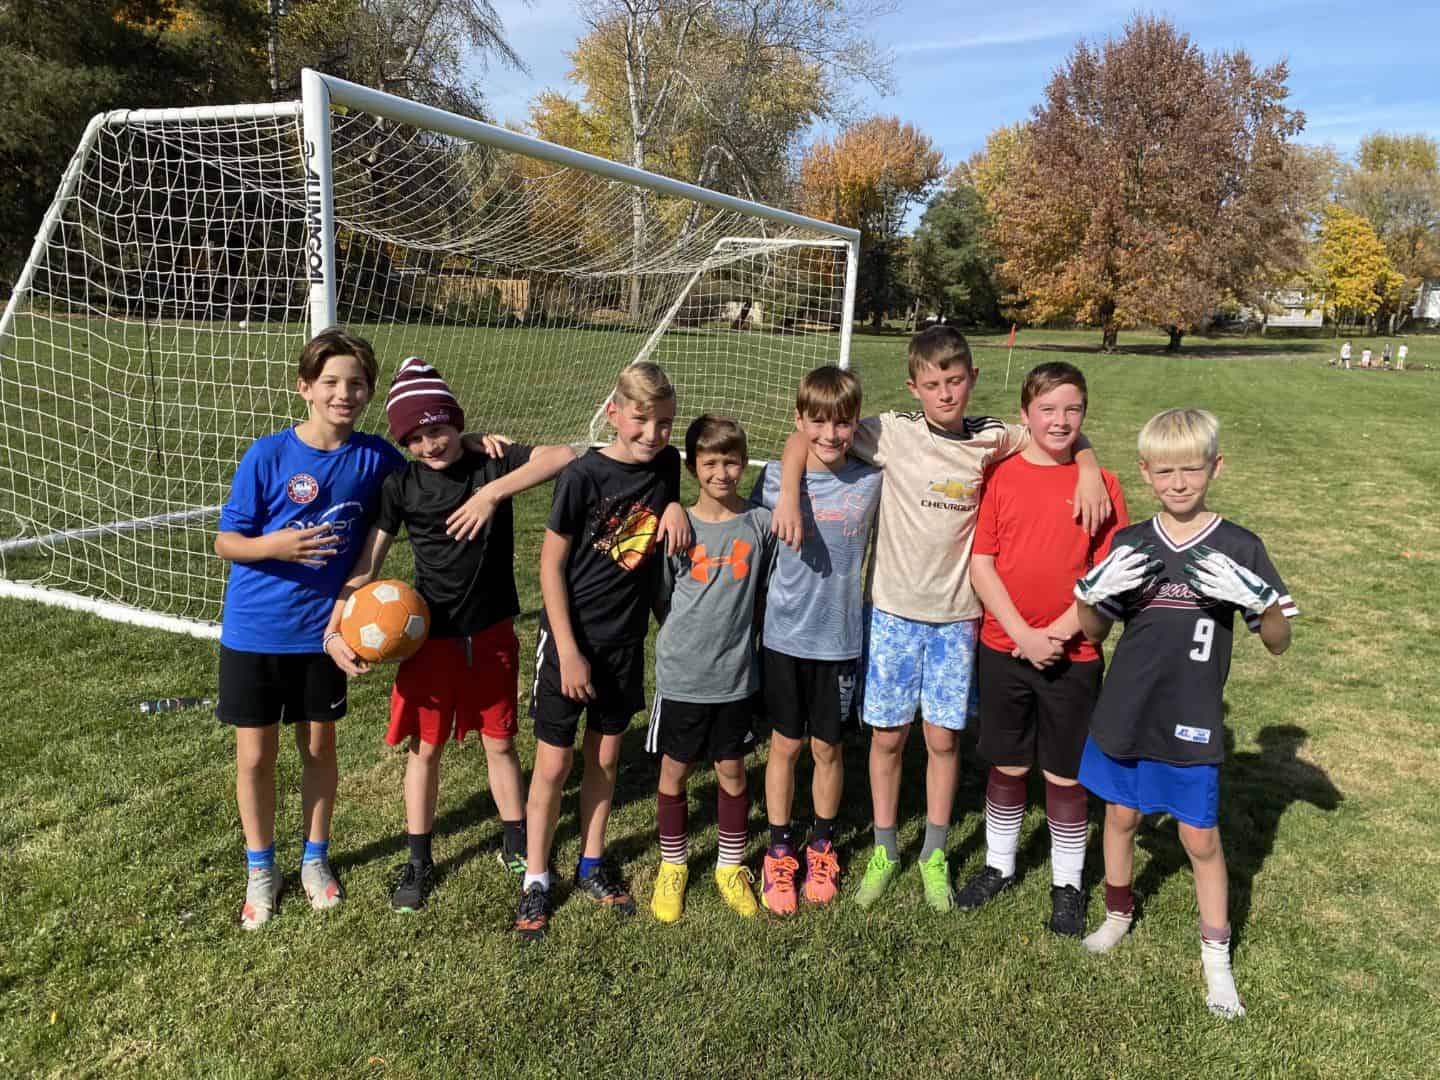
x=928, y=507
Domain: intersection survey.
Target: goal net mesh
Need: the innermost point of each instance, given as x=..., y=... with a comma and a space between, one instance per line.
x=168, y=304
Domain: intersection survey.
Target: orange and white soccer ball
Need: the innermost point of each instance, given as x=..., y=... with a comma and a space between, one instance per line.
x=385, y=620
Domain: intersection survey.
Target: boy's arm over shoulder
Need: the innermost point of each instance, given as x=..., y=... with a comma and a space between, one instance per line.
x=521, y=467
x=870, y=444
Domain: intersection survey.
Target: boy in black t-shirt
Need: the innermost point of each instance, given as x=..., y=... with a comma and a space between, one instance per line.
x=1156, y=735
x=598, y=577
x=455, y=506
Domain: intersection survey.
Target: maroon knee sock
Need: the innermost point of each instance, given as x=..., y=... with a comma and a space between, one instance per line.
x=733, y=814
x=1119, y=899
x=672, y=814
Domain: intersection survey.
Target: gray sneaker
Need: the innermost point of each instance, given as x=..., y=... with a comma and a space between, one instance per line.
x=262, y=894
x=318, y=880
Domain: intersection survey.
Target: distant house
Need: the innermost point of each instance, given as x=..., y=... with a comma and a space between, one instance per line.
x=1427, y=301
x=1288, y=308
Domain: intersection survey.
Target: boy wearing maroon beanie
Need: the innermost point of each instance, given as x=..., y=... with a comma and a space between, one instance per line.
x=455, y=505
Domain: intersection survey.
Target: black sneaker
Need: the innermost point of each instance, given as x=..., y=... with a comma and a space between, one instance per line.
x=982, y=888
x=532, y=918
x=1067, y=910
x=412, y=886
x=606, y=890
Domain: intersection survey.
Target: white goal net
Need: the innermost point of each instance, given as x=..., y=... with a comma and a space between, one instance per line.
x=189, y=254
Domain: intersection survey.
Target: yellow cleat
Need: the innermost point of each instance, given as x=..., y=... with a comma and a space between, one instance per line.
x=734, y=884
x=668, y=903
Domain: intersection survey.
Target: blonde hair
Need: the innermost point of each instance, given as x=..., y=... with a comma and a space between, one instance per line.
x=829, y=393
x=1177, y=434
x=643, y=384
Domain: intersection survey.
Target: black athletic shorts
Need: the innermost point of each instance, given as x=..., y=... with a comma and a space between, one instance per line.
x=1030, y=717
x=810, y=697
x=692, y=731
x=617, y=673
x=260, y=689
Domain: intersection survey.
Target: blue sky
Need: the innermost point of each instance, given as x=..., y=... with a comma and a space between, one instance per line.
x=964, y=69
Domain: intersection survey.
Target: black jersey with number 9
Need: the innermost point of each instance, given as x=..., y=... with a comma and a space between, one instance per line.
x=1163, y=697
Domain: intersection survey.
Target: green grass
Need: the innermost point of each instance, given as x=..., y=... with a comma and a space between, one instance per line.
x=120, y=846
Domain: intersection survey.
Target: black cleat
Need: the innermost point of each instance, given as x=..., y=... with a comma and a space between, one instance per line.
x=412, y=887
x=532, y=919
x=982, y=888
x=606, y=890
x=1067, y=910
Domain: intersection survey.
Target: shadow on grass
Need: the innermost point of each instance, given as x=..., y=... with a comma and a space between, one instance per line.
x=1256, y=790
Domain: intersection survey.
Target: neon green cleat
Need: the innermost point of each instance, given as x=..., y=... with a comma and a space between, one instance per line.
x=879, y=872
x=668, y=903
x=935, y=873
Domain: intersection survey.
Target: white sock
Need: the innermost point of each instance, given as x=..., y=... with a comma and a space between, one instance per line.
x=1067, y=852
x=543, y=880
x=1221, y=997
x=1109, y=933
x=1002, y=836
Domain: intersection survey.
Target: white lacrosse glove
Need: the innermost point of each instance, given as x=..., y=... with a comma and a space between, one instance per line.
x=1124, y=569
x=1214, y=574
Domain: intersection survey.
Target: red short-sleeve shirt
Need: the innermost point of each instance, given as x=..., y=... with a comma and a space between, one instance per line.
x=1039, y=548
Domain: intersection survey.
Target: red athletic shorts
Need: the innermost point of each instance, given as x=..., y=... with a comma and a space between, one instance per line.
x=460, y=685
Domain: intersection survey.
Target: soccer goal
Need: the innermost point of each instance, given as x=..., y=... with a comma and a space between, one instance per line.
x=189, y=253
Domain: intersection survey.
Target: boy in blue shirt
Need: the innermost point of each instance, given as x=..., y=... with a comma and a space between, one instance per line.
x=299, y=505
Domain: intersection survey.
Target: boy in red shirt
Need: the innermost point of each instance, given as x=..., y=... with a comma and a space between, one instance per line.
x=1039, y=677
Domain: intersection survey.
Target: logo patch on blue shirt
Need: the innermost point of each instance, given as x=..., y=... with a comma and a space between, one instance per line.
x=1193, y=734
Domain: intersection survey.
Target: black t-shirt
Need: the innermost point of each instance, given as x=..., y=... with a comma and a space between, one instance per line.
x=611, y=510
x=469, y=585
x=1163, y=697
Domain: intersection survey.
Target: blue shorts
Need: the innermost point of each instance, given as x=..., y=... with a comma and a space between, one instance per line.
x=1189, y=792
x=910, y=665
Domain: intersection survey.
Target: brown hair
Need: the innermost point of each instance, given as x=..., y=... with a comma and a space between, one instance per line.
x=644, y=384
x=1047, y=376
x=336, y=342
x=714, y=435
x=939, y=346
x=829, y=393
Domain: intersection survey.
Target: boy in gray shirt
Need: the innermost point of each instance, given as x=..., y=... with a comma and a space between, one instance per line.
x=707, y=676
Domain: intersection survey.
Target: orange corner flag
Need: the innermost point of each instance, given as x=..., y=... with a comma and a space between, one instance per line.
x=1011, y=343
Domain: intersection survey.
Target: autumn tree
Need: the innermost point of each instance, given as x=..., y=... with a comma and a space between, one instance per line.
x=1352, y=267
x=1395, y=186
x=868, y=177
x=1153, y=181
x=66, y=60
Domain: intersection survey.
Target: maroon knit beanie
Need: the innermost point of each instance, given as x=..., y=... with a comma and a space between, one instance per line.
x=419, y=397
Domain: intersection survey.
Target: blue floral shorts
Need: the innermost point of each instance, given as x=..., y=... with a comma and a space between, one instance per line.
x=913, y=665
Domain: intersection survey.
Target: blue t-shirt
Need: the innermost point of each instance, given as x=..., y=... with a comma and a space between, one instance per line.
x=813, y=606
x=281, y=483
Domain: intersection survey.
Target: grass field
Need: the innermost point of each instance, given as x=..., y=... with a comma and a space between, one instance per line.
x=120, y=845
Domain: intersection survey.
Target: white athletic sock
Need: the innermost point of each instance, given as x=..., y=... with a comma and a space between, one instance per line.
x=542, y=879
x=1221, y=997
x=1109, y=933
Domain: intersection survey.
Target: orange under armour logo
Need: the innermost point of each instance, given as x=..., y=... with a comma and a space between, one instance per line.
x=701, y=564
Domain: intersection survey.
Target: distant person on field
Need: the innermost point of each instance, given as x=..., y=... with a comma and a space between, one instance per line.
x=707, y=673
x=1385, y=357
x=1039, y=676
x=1400, y=355
x=1365, y=357
x=1156, y=739
x=814, y=629
x=923, y=617
x=1345, y=356
x=299, y=505
x=598, y=576
x=454, y=504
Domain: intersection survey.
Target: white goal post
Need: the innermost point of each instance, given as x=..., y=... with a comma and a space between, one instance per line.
x=189, y=253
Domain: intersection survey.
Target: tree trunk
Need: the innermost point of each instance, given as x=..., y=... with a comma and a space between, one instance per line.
x=1109, y=337
x=274, y=49
x=1175, y=335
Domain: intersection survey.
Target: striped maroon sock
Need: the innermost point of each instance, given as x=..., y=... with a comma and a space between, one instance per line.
x=1065, y=810
x=672, y=814
x=1004, y=811
x=733, y=814
x=1119, y=899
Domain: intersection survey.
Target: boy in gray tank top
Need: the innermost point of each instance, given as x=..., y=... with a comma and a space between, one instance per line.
x=707, y=676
